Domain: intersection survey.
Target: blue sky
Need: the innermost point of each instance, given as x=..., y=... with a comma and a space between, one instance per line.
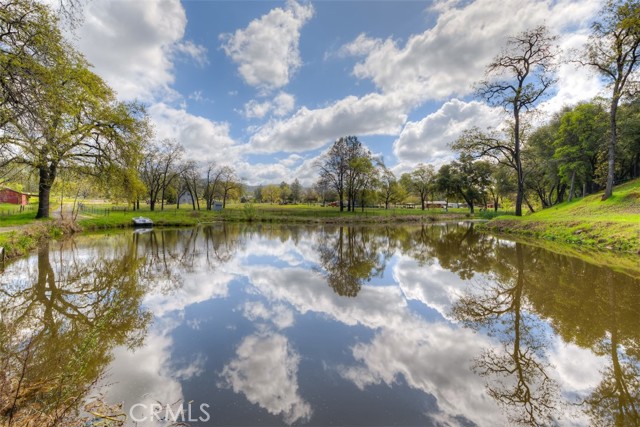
x=268, y=86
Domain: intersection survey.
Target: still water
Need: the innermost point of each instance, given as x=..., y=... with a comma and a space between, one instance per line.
x=433, y=325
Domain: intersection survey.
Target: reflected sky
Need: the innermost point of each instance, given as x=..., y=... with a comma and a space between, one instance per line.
x=422, y=325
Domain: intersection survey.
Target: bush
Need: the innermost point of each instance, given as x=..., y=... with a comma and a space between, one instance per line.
x=250, y=212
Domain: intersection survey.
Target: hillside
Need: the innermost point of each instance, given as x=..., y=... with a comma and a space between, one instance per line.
x=611, y=224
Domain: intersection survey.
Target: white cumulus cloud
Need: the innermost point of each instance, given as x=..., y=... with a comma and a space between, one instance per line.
x=266, y=51
x=132, y=45
x=446, y=59
x=429, y=139
x=372, y=114
x=281, y=105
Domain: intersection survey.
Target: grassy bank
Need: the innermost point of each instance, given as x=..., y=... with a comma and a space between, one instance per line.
x=17, y=243
x=613, y=224
x=266, y=213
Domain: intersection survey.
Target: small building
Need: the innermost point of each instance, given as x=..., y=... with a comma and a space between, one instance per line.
x=436, y=204
x=14, y=197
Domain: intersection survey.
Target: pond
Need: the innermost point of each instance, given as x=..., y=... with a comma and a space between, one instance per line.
x=247, y=325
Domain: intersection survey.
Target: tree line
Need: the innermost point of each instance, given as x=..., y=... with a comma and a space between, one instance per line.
x=352, y=176
x=580, y=150
x=552, y=157
x=61, y=123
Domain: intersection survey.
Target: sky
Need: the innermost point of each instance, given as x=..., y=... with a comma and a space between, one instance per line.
x=267, y=87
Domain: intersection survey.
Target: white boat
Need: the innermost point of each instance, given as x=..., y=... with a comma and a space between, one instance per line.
x=141, y=221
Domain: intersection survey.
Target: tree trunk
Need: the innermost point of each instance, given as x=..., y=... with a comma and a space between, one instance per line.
x=47, y=176
x=516, y=159
x=611, y=152
x=528, y=204
x=573, y=181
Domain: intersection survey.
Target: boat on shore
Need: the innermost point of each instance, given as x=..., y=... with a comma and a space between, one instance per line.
x=141, y=221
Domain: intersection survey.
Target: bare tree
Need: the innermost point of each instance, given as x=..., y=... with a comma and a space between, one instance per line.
x=516, y=80
x=228, y=183
x=191, y=180
x=613, y=49
x=159, y=168
x=212, y=178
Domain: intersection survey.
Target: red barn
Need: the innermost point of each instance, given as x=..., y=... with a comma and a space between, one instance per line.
x=8, y=195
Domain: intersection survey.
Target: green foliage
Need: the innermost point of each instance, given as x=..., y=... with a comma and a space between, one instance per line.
x=610, y=224
x=66, y=116
x=250, y=212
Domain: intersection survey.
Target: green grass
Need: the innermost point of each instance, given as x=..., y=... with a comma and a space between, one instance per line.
x=590, y=222
x=20, y=242
x=11, y=215
x=260, y=212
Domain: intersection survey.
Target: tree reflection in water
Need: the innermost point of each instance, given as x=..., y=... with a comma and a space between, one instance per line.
x=588, y=305
x=517, y=372
x=62, y=312
x=351, y=256
x=58, y=328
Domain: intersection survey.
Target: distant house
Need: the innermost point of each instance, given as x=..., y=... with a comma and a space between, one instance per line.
x=434, y=204
x=14, y=197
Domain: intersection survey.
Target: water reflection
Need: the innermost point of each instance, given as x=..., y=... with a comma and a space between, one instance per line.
x=351, y=256
x=342, y=325
x=62, y=315
x=517, y=371
x=593, y=307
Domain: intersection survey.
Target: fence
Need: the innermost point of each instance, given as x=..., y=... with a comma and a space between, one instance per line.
x=96, y=211
x=9, y=211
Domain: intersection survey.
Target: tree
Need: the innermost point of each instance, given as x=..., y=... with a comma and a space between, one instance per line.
x=470, y=179
x=390, y=189
x=212, y=180
x=422, y=182
x=28, y=31
x=271, y=193
x=159, y=168
x=191, y=179
x=613, y=50
x=296, y=191
x=285, y=192
x=257, y=194
x=445, y=183
x=581, y=134
x=342, y=168
x=628, y=147
x=516, y=80
x=72, y=120
x=322, y=187
x=172, y=153
x=228, y=183
x=502, y=184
